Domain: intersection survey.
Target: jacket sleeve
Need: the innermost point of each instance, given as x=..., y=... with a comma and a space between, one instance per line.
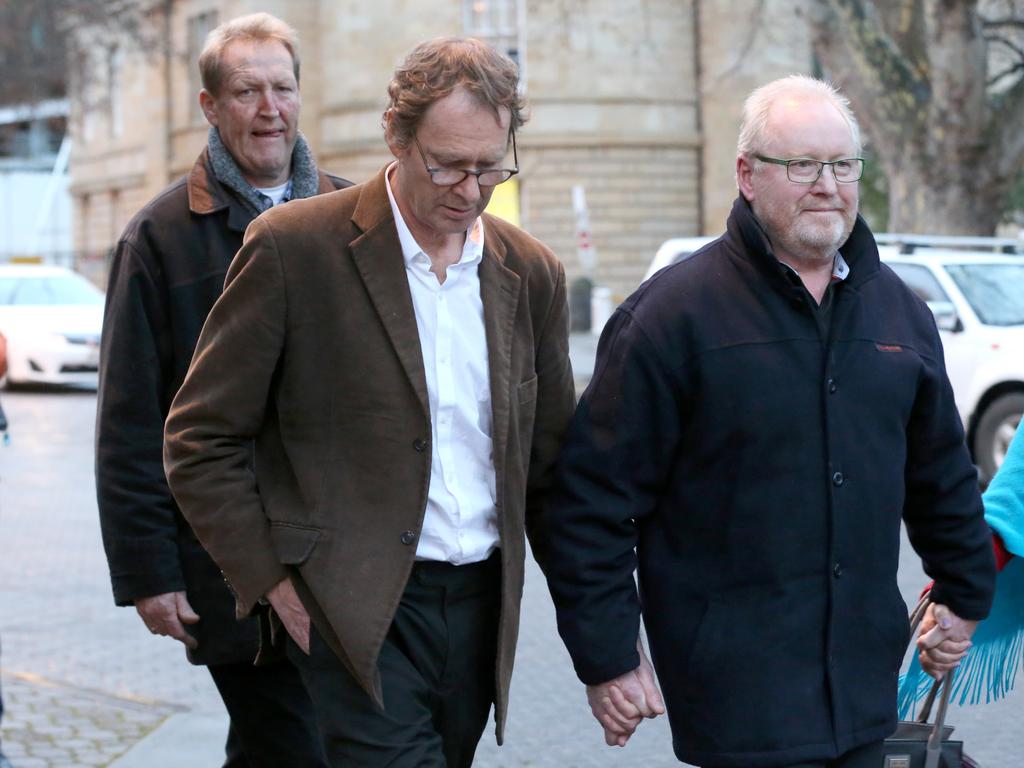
x=943, y=511
x=613, y=469
x=138, y=517
x=556, y=399
x=218, y=412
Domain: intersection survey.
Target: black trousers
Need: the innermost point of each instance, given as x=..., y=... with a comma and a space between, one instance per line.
x=437, y=668
x=272, y=722
x=867, y=756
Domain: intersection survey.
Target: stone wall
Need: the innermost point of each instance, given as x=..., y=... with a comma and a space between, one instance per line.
x=636, y=100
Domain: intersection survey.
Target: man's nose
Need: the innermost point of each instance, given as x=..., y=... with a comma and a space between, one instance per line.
x=268, y=103
x=469, y=188
x=826, y=181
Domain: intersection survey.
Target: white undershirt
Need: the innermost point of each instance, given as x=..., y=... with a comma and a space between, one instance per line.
x=276, y=194
x=460, y=525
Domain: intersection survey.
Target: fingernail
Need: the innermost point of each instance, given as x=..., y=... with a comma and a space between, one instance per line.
x=945, y=623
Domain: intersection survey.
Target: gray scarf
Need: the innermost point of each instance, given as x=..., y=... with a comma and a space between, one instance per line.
x=305, y=180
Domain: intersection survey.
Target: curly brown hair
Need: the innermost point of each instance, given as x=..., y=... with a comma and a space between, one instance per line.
x=437, y=67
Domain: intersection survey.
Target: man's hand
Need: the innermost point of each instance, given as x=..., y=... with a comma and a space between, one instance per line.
x=293, y=615
x=944, y=640
x=620, y=704
x=167, y=614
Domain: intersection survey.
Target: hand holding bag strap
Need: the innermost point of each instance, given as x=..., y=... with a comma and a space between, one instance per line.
x=934, y=750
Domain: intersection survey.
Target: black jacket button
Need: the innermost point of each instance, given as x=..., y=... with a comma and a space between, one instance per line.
x=419, y=444
x=838, y=479
x=837, y=570
x=832, y=387
x=408, y=537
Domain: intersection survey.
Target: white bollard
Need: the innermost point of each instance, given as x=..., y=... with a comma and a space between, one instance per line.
x=601, y=308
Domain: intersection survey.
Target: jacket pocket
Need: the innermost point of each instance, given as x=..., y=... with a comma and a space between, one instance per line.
x=293, y=544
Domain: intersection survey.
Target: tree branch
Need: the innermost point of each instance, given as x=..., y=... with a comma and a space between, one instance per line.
x=1008, y=43
x=1006, y=139
x=1008, y=21
x=1005, y=73
x=884, y=85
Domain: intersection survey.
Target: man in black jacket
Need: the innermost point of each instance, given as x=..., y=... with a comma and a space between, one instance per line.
x=167, y=270
x=762, y=417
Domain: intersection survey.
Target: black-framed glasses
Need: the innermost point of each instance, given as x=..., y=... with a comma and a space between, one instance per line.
x=804, y=170
x=448, y=177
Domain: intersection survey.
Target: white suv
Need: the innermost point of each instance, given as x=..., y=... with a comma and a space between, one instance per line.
x=978, y=302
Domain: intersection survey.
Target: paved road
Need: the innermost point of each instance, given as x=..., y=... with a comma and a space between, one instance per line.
x=85, y=684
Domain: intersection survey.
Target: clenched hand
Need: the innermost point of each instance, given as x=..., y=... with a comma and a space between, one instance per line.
x=167, y=615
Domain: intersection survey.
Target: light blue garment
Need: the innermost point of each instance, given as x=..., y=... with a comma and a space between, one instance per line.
x=990, y=668
x=1004, y=499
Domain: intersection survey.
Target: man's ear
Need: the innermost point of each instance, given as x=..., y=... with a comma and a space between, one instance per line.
x=744, y=174
x=389, y=135
x=209, y=106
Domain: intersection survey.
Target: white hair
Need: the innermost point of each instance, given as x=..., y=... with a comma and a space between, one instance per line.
x=758, y=104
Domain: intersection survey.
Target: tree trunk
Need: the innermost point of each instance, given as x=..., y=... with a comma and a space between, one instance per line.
x=917, y=204
x=916, y=74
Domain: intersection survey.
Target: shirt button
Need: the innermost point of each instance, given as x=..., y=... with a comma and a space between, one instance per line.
x=838, y=479
x=837, y=570
x=832, y=387
x=407, y=537
x=419, y=444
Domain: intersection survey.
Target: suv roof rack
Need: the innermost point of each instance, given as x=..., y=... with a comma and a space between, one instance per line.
x=909, y=243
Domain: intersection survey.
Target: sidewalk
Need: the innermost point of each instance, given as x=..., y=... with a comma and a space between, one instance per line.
x=83, y=683
x=48, y=724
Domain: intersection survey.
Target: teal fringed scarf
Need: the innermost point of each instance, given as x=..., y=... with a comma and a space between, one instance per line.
x=990, y=669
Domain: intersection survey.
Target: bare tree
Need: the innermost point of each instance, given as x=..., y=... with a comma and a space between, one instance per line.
x=40, y=41
x=939, y=88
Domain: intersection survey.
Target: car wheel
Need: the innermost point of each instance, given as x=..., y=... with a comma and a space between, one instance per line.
x=995, y=430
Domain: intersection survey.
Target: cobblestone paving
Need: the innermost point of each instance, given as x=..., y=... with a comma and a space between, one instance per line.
x=49, y=725
x=84, y=682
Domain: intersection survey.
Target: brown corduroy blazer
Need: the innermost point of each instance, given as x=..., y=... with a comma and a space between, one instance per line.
x=312, y=353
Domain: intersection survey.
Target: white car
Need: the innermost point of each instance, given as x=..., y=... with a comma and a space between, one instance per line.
x=978, y=302
x=675, y=250
x=51, y=318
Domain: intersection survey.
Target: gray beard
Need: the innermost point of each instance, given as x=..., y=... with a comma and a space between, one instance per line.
x=807, y=242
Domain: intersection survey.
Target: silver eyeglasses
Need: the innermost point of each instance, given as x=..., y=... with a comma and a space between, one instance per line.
x=448, y=177
x=804, y=170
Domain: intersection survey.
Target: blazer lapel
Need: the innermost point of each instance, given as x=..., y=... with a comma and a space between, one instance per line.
x=499, y=291
x=378, y=257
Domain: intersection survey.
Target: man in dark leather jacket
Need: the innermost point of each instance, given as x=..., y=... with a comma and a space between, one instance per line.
x=167, y=270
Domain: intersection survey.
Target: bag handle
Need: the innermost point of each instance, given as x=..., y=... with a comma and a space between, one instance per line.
x=933, y=753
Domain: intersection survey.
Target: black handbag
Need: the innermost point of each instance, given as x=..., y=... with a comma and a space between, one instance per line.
x=918, y=744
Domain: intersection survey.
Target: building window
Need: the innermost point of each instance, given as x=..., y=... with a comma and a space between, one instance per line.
x=199, y=26
x=115, y=89
x=502, y=24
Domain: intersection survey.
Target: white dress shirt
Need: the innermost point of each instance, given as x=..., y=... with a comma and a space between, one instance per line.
x=460, y=525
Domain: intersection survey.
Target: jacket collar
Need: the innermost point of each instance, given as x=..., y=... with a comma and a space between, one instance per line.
x=374, y=209
x=377, y=253
x=744, y=230
x=207, y=195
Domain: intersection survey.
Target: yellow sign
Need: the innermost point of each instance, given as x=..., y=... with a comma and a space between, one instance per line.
x=505, y=201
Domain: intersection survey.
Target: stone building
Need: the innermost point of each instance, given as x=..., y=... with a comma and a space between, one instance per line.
x=637, y=101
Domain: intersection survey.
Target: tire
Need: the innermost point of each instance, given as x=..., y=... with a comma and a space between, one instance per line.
x=995, y=430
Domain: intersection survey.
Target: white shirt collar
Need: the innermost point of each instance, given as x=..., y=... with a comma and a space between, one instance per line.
x=472, y=249
x=840, y=269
